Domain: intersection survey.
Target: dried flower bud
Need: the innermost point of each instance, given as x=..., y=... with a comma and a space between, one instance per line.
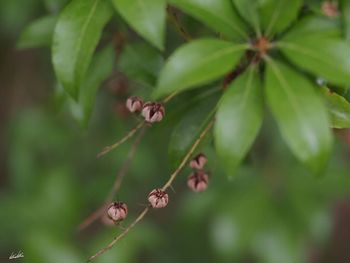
x=198, y=162
x=158, y=198
x=153, y=112
x=134, y=104
x=117, y=211
x=197, y=181
x=330, y=9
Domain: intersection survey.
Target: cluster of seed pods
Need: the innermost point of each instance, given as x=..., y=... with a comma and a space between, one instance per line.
x=151, y=111
x=197, y=181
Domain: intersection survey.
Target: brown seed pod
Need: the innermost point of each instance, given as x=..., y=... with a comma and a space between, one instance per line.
x=158, y=198
x=153, y=112
x=198, y=162
x=117, y=211
x=134, y=104
x=198, y=181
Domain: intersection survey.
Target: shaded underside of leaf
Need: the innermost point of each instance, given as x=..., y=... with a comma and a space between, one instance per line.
x=141, y=63
x=189, y=127
x=300, y=115
x=100, y=69
x=238, y=119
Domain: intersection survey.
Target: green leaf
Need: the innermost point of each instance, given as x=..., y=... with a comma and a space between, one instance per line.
x=249, y=10
x=146, y=17
x=315, y=26
x=141, y=63
x=100, y=69
x=324, y=57
x=219, y=15
x=188, y=129
x=54, y=6
x=338, y=109
x=300, y=115
x=238, y=119
x=197, y=63
x=276, y=16
x=345, y=15
x=76, y=35
x=38, y=33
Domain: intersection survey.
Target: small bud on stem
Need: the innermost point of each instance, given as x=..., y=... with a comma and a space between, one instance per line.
x=134, y=104
x=117, y=211
x=153, y=112
x=198, y=181
x=158, y=198
x=198, y=162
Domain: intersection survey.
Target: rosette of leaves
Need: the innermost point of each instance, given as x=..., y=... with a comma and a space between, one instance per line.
x=274, y=52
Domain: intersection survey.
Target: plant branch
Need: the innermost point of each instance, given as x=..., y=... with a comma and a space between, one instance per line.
x=175, y=21
x=109, y=148
x=166, y=185
x=117, y=183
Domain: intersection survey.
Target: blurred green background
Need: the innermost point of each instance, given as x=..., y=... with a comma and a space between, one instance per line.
x=274, y=211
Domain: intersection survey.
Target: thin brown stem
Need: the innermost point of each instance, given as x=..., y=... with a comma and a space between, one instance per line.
x=168, y=98
x=188, y=155
x=179, y=28
x=131, y=133
x=117, y=183
x=121, y=235
x=166, y=185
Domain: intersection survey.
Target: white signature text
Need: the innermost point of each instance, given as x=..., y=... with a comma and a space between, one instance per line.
x=16, y=255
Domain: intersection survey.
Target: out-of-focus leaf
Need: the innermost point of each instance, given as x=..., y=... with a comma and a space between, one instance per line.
x=38, y=33
x=249, y=10
x=345, y=13
x=338, y=109
x=55, y=6
x=238, y=119
x=76, y=35
x=315, y=26
x=99, y=70
x=146, y=17
x=276, y=16
x=219, y=15
x=141, y=63
x=300, y=114
x=197, y=63
x=324, y=57
x=188, y=129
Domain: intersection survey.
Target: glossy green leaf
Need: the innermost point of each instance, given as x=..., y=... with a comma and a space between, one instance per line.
x=100, y=69
x=338, y=109
x=146, y=17
x=315, y=26
x=76, y=35
x=38, y=33
x=324, y=57
x=141, y=63
x=238, y=119
x=197, y=63
x=190, y=126
x=249, y=10
x=276, y=16
x=219, y=15
x=345, y=15
x=300, y=114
